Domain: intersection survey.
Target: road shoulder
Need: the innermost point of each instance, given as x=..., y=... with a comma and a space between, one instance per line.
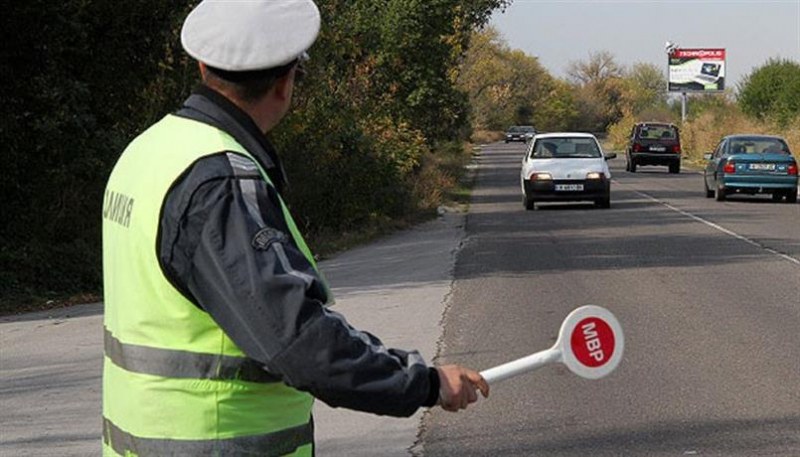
x=397, y=289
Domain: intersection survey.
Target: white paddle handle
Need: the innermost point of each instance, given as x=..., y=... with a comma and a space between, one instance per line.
x=521, y=365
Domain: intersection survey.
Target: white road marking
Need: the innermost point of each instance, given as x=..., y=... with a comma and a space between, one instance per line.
x=719, y=227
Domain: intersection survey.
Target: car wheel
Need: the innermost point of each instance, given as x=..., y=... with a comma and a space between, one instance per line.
x=627, y=164
x=675, y=168
x=633, y=166
x=720, y=194
x=709, y=192
x=791, y=197
x=528, y=203
x=604, y=203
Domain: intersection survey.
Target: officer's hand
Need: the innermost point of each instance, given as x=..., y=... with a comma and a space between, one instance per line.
x=457, y=387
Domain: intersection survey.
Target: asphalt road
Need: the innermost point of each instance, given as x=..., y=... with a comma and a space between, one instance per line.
x=395, y=287
x=708, y=294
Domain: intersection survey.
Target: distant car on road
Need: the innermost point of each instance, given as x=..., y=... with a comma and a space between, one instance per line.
x=565, y=167
x=654, y=143
x=751, y=164
x=523, y=133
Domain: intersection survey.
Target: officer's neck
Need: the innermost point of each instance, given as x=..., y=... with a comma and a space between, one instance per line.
x=267, y=110
x=264, y=112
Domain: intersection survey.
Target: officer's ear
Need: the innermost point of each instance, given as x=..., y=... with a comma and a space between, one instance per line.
x=203, y=70
x=284, y=86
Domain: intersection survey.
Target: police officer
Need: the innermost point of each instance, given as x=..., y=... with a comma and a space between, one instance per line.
x=217, y=337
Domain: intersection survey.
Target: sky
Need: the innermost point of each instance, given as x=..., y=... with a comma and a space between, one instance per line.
x=562, y=31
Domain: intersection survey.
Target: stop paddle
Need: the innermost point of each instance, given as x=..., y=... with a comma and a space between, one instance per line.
x=590, y=343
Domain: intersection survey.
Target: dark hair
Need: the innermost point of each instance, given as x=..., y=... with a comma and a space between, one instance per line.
x=250, y=85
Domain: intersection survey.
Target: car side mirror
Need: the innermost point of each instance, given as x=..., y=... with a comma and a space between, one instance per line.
x=611, y=155
x=707, y=156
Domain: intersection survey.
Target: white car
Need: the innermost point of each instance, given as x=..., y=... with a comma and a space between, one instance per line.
x=565, y=167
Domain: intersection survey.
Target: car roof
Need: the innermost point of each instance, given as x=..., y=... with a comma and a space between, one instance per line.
x=667, y=124
x=542, y=136
x=754, y=136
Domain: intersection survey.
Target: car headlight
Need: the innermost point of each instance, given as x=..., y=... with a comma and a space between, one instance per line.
x=541, y=177
x=594, y=175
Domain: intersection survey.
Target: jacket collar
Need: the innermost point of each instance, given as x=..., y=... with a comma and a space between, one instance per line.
x=210, y=107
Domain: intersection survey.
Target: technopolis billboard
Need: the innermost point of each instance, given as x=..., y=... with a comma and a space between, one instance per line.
x=696, y=70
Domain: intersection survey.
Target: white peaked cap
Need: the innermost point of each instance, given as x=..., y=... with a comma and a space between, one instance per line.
x=244, y=35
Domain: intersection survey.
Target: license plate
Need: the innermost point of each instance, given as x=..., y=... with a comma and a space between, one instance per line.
x=658, y=148
x=762, y=166
x=569, y=187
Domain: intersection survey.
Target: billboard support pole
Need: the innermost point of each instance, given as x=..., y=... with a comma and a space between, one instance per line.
x=683, y=108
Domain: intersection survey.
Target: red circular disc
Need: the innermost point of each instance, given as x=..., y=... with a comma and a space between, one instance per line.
x=592, y=341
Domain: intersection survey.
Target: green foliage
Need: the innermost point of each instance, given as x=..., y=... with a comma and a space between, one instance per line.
x=642, y=97
x=558, y=110
x=597, y=70
x=772, y=91
x=508, y=87
x=78, y=84
x=379, y=98
x=646, y=88
x=601, y=89
x=82, y=78
x=703, y=131
x=721, y=105
x=607, y=93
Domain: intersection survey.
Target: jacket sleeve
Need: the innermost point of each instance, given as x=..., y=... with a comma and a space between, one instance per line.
x=225, y=244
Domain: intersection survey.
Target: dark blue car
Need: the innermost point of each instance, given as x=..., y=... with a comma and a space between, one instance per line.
x=751, y=164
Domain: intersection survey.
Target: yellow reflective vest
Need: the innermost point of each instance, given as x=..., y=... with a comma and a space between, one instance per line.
x=173, y=382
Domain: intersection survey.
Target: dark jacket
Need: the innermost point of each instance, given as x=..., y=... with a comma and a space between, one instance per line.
x=224, y=243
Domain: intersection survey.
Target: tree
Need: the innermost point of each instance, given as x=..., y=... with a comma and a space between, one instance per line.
x=647, y=86
x=82, y=78
x=507, y=87
x=600, y=67
x=772, y=91
x=600, y=91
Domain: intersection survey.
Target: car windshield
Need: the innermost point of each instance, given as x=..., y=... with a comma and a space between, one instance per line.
x=526, y=128
x=758, y=146
x=517, y=129
x=566, y=148
x=655, y=132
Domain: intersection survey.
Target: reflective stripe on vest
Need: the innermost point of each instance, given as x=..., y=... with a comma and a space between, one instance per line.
x=173, y=382
x=271, y=444
x=170, y=363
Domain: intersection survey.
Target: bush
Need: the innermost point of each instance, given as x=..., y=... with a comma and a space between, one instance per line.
x=486, y=136
x=713, y=118
x=81, y=79
x=702, y=133
x=772, y=92
x=619, y=132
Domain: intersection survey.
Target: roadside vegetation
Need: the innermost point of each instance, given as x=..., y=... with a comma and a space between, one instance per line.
x=375, y=140
x=378, y=138
x=767, y=101
x=507, y=87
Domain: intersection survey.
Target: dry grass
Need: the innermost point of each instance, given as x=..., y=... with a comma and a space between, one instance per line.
x=619, y=133
x=701, y=135
x=486, y=136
